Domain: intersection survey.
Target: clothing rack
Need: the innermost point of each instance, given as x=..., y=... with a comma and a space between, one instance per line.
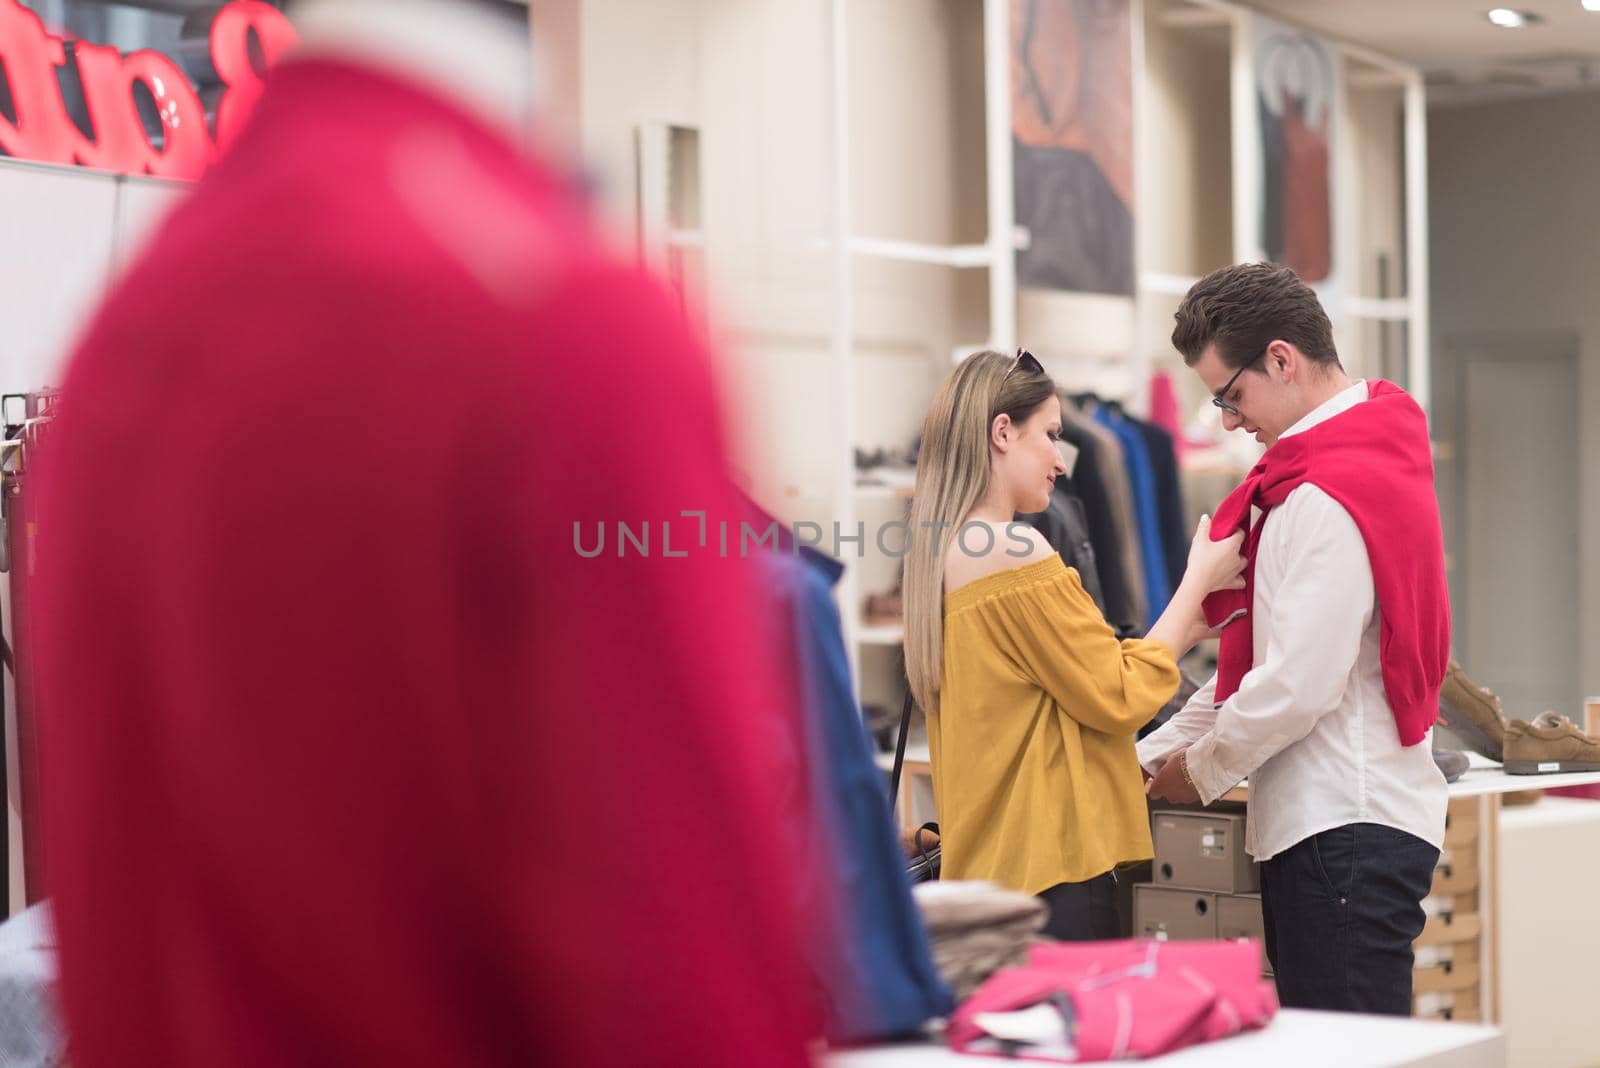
x=25, y=417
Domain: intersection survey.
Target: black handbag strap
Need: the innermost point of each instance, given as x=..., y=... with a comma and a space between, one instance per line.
x=900, y=753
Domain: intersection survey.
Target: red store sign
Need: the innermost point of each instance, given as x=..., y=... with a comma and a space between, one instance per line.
x=44, y=131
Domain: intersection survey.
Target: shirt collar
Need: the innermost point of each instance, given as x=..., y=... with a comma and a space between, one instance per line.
x=1337, y=404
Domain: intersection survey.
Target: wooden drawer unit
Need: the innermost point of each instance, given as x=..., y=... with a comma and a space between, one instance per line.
x=1451, y=928
x=1448, y=976
x=1447, y=983
x=1456, y=876
x=1461, y=824
x=1459, y=1005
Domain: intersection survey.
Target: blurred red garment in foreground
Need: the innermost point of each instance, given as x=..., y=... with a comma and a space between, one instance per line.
x=350, y=757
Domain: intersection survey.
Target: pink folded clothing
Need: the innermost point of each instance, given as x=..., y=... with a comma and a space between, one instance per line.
x=1093, y=1001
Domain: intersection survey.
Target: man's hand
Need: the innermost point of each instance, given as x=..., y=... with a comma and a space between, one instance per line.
x=1171, y=784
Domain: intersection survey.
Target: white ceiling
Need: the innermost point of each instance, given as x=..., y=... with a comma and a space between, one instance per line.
x=1467, y=58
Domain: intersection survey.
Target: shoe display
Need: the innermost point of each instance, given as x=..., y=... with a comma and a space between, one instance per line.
x=1471, y=715
x=1548, y=745
x=885, y=608
x=1452, y=762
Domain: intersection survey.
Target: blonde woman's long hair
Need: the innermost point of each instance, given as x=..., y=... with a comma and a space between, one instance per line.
x=952, y=475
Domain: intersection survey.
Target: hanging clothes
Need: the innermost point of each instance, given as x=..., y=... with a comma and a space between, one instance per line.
x=1117, y=529
x=1089, y=483
x=1065, y=526
x=1147, y=521
x=1170, y=519
x=1164, y=411
x=866, y=944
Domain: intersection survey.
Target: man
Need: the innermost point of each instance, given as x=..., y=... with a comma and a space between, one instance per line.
x=1326, y=689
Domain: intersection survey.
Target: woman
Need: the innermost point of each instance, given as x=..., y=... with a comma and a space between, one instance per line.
x=1031, y=701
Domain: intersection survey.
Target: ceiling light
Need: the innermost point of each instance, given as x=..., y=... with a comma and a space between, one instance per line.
x=1591, y=5
x=1508, y=19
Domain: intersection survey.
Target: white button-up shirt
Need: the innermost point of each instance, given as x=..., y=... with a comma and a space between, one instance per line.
x=1310, y=725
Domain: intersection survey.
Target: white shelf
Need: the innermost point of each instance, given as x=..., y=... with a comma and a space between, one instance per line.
x=1394, y=310
x=1172, y=285
x=881, y=633
x=882, y=493
x=914, y=252
x=1483, y=777
x=915, y=754
x=1489, y=778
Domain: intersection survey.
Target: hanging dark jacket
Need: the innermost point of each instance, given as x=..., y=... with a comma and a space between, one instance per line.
x=1065, y=525
x=1089, y=485
x=1171, y=522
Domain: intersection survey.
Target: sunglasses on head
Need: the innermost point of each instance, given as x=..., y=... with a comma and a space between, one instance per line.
x=1027, y=361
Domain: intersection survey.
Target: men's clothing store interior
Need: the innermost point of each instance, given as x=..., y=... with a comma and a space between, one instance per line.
x=848, y=533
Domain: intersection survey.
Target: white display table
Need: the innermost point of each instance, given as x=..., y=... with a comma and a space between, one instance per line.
x=1297, y=1038
x=1549, y=944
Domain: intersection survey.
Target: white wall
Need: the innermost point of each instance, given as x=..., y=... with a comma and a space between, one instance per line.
x=1184, y=222
x=54, y=262
x=66, y=230
x=752, y=75
x=1513, y=222
x=1185, y=214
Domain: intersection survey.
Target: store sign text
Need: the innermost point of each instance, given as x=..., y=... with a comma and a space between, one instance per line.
x=44, y=131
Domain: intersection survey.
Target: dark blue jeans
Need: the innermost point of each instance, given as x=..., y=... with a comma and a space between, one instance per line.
x=1341, y=910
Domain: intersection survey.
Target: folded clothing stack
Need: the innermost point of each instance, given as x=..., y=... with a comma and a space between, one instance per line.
x=1091, y=1001
x=976, y=929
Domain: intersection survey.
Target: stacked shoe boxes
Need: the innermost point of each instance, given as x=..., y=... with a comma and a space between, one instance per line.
x=1447, y=979
x=1205, y=886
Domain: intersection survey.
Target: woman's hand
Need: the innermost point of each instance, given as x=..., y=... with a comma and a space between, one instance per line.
x=1215, y=565
x=1199, y=629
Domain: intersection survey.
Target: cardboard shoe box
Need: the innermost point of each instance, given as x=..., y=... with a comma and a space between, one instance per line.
x=1239, y=916
x=1170, y=914
x=1203, y=851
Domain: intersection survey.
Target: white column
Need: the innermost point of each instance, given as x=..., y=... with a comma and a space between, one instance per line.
x=1416, y=165
x=1002, y=212
x=842, y=364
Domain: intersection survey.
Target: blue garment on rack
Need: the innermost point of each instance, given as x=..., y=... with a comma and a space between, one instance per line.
x=873, y=965
x=1157, y=586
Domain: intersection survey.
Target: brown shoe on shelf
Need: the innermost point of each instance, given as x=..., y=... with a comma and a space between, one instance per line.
x=1548, y=745
x=885, y=608
x=1471, y=714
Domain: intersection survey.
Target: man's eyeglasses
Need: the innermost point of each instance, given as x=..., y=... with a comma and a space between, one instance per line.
x=1027, y=361
x=1228, y=406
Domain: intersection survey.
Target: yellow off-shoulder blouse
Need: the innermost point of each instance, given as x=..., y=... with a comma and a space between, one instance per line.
x=1034, y=772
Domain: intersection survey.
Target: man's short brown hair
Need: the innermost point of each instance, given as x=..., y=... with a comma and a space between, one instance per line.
x=1244, y=308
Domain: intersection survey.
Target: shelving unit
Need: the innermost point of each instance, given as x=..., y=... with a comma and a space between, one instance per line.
x=995, y=256
x=881, y=633
x=1197, y=158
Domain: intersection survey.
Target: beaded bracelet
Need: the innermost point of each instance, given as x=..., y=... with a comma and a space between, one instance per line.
x=1183, y=765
